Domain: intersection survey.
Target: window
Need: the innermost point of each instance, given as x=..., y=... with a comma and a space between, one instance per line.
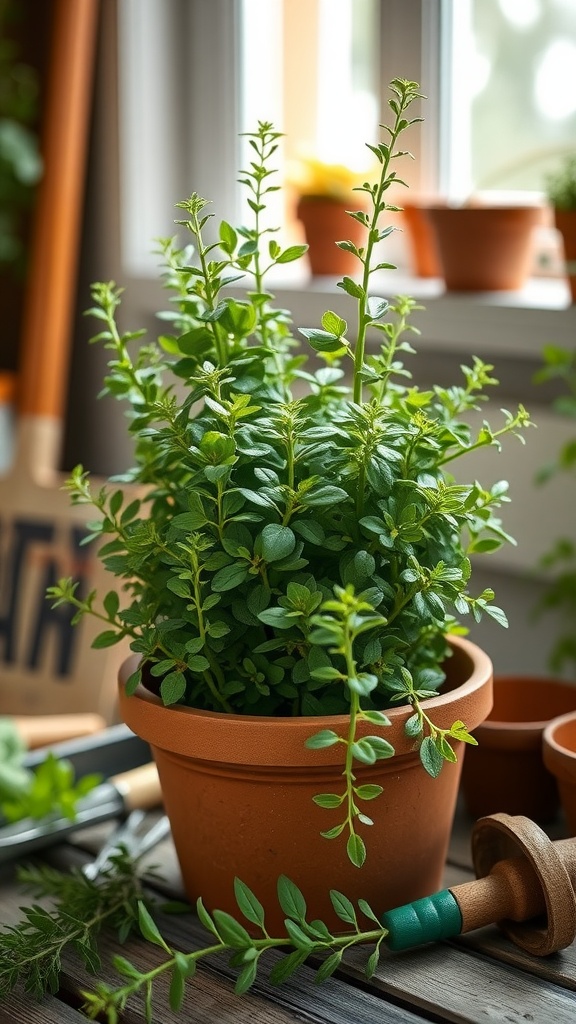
x=500, y=77
x=511, y=109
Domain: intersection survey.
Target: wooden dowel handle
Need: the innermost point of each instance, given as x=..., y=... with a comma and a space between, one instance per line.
x=40, y=730
x=139, y=787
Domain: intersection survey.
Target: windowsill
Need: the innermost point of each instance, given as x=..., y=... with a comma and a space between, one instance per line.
x=489, y=324
x=515, y=323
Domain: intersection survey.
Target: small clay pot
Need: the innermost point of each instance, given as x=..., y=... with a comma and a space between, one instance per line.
x=238, y=790
x=559, y=753
x=506, y=771
x=484, y=248
x=326, y=222
x=421, y=240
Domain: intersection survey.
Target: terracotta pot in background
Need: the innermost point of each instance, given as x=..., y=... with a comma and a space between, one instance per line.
x=421, y=240
x=506, y=771
x=325, y=222
x=484, y=248
x=565, y=221
x=559, y=753
x=238, y=791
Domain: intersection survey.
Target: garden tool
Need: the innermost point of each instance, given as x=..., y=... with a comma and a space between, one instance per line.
x=46, y=663
x=39, y=730
x=114, y=798
x=137, y=835
x=525, y=884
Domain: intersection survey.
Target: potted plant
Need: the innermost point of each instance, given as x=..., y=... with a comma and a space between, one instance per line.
x=482, y=246
x=325, y=193
x=561, y=193
x=291, y=568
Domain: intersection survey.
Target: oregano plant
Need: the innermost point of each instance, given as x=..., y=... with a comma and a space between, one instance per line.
x=300, y=546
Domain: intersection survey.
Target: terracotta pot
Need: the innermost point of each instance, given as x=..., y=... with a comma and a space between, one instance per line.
x=325, y=222
x=238, y=791
x=422, y=240
x=484, y=248
x=565, y=221
x=506, y=772
x=559, y=752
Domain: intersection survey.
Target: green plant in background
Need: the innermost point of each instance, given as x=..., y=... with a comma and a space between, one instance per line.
x=275, y=486
x=51, y=789
x=560, y=561
x=560, y=185
x=20, y=161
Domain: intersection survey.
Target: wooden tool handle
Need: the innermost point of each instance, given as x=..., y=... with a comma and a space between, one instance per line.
x=39, y=730
x=139, y=787
x=49, y=299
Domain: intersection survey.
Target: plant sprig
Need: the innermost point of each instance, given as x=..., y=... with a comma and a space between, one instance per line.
x=32, y=951
x=230, y=937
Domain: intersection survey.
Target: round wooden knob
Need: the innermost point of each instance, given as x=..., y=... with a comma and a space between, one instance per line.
x=543, y=879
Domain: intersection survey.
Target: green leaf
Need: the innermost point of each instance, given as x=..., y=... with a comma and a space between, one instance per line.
x=297, y=935
x=325, y=495
x=369, y=791
x=356, y=850
x=343, y=908
x=334, y=324
x=333, y=833
x=413, y=727
x=330, y=965
x=277, y=542
x=372, y=962
x=106, y=639
x=328, y=799
x=291, y=899
x=229, y=577
x=293, y=252
x=246, y=978
x=248, y=903
x=285, y=968
x=173, y=688
x=351, y=288
x=431, y=757
x=368, y=912
x=149, y=928
x=324, y=738
x=231, y=931
x=322, y=341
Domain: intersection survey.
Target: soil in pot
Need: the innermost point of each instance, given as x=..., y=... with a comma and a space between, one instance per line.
x=506, y=771
x=484, y=248
x=238, y=791
x=559, y=753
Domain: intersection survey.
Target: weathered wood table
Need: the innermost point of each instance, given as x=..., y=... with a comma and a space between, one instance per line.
x=477, y=979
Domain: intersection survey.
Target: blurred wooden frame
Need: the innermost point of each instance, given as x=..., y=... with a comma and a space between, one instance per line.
x=46, y=664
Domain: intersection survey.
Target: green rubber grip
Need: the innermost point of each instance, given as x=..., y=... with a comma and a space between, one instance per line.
x=426, y=920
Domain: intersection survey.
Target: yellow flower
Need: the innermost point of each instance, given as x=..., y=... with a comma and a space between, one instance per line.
x=310, y=176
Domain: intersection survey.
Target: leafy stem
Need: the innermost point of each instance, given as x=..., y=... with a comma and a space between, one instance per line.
x=31, y=951
x=404, y=94
x=340, y=622
x=229, y=936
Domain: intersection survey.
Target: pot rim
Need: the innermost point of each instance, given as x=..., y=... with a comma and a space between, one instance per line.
x=259, y=739
x=559, y=760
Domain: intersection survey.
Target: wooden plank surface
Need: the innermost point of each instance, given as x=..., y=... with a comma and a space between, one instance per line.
x=477, y=979
x=469, y=989
x=21, y=1009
